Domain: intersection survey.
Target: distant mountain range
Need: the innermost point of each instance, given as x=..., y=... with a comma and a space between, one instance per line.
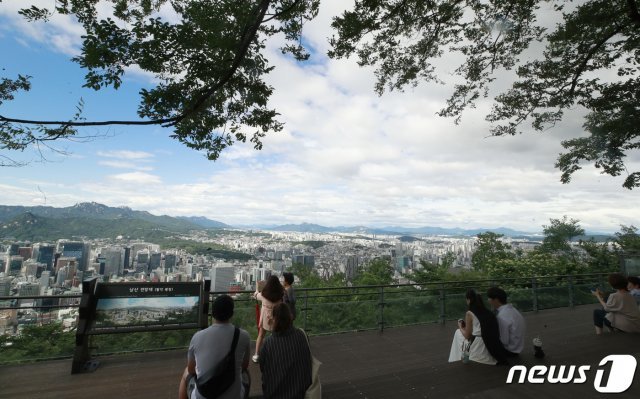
x=94, y=220
x=396, y=230
x=204, y=222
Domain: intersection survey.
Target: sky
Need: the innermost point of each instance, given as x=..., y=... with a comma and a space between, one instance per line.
x=346, y=156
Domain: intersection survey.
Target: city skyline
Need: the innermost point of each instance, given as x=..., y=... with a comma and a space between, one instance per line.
x=346, y=157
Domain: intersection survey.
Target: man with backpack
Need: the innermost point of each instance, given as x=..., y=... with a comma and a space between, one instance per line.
x=217, y=359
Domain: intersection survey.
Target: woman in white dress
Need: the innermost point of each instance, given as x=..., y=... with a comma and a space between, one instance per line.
x=478, y=334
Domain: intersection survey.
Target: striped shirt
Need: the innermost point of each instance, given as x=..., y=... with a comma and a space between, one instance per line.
x=285, y=363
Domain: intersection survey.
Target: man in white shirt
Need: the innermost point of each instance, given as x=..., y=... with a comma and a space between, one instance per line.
x=510, y=321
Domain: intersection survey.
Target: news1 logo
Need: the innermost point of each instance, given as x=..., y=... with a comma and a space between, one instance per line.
x=620, y=377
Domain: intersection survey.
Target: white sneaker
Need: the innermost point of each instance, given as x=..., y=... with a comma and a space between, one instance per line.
x=255, y=358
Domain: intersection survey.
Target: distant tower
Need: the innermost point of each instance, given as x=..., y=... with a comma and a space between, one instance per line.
x=127, y=257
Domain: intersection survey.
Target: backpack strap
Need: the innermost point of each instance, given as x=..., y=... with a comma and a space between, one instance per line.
x=236, y=334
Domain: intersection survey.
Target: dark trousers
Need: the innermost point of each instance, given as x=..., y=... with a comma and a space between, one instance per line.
x=599, y=319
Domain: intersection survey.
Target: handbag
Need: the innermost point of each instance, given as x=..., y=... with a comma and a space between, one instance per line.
x=315, y=389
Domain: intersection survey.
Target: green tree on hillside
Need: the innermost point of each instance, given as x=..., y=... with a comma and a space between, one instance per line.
x=489, y=249
x=628, y=239
x=428, y=272
x=306, y=277
x=558, y=234
x=600, y=258
x=376, y=272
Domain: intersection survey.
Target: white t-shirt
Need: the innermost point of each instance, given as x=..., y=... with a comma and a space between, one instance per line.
x=512, y=328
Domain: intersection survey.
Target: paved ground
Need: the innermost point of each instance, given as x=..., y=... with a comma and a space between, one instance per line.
x=406, y=362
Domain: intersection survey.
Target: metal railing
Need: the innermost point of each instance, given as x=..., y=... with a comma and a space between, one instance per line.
x=346, y=309
x=333, y=310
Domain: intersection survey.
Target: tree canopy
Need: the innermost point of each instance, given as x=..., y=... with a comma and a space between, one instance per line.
x=591, y=59
x=210, y=66
x=489, y=249
x=558, y=234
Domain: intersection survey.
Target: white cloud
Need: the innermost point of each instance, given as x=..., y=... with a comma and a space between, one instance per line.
x=125, y=165
x=125, y=154
x=62, y=32
x=349, y=157
x=136, y=178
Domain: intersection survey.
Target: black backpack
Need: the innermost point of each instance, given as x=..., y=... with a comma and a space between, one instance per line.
x=224, y=375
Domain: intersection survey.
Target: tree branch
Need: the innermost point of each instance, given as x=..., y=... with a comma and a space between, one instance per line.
x=246, y=39
x=276, y=15
x=248, y=36
x=633, y=12
x=589, y=55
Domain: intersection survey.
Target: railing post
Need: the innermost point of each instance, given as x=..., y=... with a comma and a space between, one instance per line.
x=443, y=308
x=571, y=295
x=534, y=292
x=306, y=308
x=381, y=309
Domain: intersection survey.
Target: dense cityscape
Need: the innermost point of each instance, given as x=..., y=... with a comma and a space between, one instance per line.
x=58, y=269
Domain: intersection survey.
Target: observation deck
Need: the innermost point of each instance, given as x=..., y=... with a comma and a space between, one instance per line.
x=400, y=362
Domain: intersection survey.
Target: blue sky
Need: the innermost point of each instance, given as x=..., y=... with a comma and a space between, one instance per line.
x=345, y=157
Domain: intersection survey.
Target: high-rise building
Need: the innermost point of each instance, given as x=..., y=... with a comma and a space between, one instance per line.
x=44, y=279
x=170, y=262
x=14, y=265
x=222, y=277
x=351, y=268
x=44, y=253
x=154, y=260
x=5, y=286
x=305, y=260
x=14, y=248
x=25, y=252
x=3, y=263
x=70, y=263
x=28, y=289
x=127, y=258
x=77, y=249
x=33, y=268
x=61, y=276
x=142, y=261
x=260, y=274
x=112, y=261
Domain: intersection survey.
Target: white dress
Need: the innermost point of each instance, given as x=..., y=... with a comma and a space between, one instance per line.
x=477, y=352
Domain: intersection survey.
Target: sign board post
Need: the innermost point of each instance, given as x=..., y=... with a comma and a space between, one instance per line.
x=111, y=308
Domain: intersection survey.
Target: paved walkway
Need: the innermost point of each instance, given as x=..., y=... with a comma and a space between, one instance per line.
x=405, y=362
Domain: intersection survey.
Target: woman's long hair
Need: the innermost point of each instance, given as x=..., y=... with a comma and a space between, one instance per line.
x=282, y=319
x=475, y=302
x=488, y=326
x=273, y=290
